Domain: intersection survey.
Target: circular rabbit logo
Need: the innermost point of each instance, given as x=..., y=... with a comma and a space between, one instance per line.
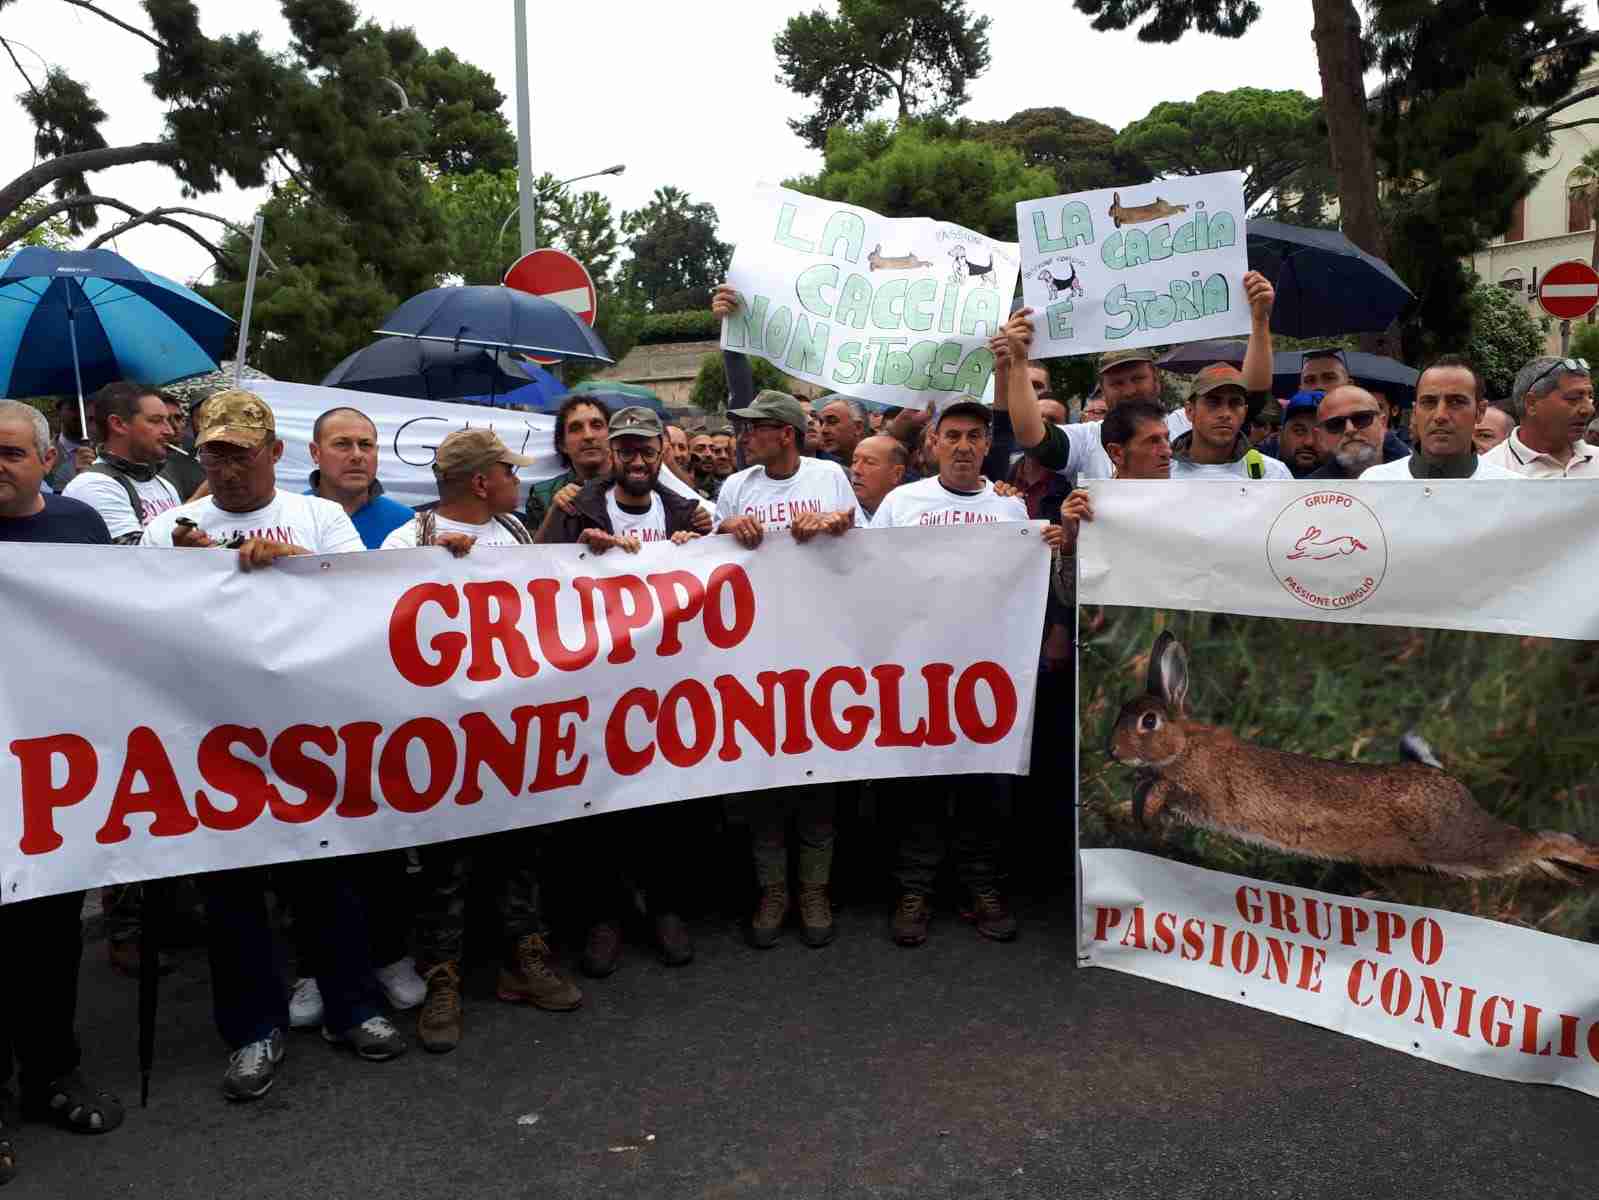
x=1328, y=550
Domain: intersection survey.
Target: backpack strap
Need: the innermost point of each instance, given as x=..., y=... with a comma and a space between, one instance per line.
x=515, y=528
x=111, y=472
x=1254, y=463
x=427, y=528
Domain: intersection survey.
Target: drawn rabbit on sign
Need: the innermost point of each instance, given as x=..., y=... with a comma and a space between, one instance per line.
x=1410, y=814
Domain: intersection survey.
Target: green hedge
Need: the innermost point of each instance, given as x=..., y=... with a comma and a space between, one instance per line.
x=695, y=325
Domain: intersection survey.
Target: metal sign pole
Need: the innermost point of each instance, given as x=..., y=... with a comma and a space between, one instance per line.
x=524, y=136
x=249, y=299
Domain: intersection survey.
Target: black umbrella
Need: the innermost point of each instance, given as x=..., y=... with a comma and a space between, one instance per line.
x=1326, y=285
x=1372, y=371
x=402, y=366
x=498, y=317
x=1193, y=357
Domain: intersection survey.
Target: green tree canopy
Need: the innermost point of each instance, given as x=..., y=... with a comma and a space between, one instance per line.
x=926, y=169
x=676, y=257
x=482, y=223
x=1504, y=336
x=1080, y=152
x=709, y=391
x=919, y=54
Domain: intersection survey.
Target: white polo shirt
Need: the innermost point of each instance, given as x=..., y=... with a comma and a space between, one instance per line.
x=1515, y=456
x=1400, y=469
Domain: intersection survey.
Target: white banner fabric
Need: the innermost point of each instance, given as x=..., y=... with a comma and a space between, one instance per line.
x=891, y=310
x=1135, y=266
x=1496, y=556
x=178, y=715
x=1474, y=994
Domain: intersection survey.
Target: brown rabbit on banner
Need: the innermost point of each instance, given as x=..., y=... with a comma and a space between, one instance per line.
x=1410, y=814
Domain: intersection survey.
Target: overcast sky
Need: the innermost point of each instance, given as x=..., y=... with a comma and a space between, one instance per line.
x=683, y=93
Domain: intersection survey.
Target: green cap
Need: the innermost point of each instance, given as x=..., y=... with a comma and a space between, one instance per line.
x=1218, y=375
x=774, y=406
x=636, y=422
x=1113, y=358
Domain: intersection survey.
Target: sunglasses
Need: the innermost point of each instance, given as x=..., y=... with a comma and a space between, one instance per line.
x=1360, y=420
x=1575, y=366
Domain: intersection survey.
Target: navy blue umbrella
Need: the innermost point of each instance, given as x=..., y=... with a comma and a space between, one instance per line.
x=1193, y=357
x=398, y=366
x=535, y=388
x=1326, y=285
x=1371, y=371
x=498, y=317
x=73, y=320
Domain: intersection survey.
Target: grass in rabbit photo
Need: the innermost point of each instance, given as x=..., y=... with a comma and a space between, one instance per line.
x=1446, y=769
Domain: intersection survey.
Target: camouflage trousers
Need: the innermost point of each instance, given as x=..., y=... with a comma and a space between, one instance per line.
x=957, y=816
x=812, y=807
x=505, y=863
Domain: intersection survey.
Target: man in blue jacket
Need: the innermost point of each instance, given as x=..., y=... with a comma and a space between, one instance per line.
x=344, y=447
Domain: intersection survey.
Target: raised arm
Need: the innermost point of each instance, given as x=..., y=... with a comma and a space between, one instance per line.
x=1258, y=357
x=740, y=371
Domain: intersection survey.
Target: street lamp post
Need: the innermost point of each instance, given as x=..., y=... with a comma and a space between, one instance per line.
x=530, y=227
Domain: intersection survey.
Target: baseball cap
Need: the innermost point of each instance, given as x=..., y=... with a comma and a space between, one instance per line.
x=237, y=417
x=967, y=408
x=636, y=422
x=1113, y=358
x=468, y=451
x=773, y=405
x=1218, y=375
x=1303, y=403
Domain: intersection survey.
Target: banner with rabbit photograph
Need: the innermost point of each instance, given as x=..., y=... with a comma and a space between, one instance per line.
x=1384, y=829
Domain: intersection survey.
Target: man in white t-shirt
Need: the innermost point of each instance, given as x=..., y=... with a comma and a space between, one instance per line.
x=124, y=485
x=782, y=490
x=478, y=497
x=1216, y=446
x=239, y=448
x=1449, y=403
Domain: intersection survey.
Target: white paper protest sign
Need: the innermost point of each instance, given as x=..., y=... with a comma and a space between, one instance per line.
x=1144, y=265
x=893, y=310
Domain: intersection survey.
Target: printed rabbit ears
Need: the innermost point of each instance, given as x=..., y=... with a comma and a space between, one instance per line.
x=1168, y=673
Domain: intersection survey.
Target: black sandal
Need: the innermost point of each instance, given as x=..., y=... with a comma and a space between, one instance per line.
x=8, y=1152
x=70, y=1103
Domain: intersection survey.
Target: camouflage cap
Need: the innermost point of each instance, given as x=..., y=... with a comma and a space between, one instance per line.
x=237, y=417
x=1112, y=358
x=469, y=451
x=774, y=406
x=1218, y=375
x=636, y=422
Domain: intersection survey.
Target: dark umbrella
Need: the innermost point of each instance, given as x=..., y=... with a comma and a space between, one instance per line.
x=1326, y=285
x=617, y=395
x=499, y=317
x=1193, y=357
x=536, y=390
x=401, y=366
x=1372, y=371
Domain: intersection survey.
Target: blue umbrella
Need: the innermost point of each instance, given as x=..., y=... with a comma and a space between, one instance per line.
x=498, y=317
x=420, y=370
x=73, y=320
x=617, y=396
x=1326, y=285
x=1374, y=372
x=539, y=391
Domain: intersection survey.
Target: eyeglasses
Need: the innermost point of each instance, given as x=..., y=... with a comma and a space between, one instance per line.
x=1360, y=420
x=629, y=453
x=1573, y=366
x=212, y=455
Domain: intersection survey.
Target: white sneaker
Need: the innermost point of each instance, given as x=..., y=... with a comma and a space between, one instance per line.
x=401, y=984
x=305, y=1005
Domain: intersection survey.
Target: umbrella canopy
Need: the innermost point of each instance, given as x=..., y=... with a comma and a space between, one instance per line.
x=1371, y=371
x=1326, y=285
x=499, y=317
x=73, y=320
x=618, y=395
x=535, y=388
x=397, y=366
x=1193, y=357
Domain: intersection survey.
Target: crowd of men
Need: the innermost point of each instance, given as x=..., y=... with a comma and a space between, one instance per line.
x=160, y=477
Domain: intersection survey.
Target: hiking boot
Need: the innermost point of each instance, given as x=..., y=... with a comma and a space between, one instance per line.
x=401, y=984
x=911, y=919
x=767, y=923
x=992, y=915
x=816, y=915
x=603, y=949
x=438, y=1025
x=251, y=1068
x=533, y=981
x=374, y=1039
x=305, y=1005
x=671, y=935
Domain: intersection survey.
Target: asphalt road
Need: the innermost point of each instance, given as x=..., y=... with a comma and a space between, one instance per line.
x=963, y=1068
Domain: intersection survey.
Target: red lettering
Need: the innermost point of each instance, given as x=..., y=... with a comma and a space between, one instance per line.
x=728, y=580
x=1434, y=1001
x=1278, y=953
x=1318, y=919
x=40, y=795
x=703, y=714
x=939, y=730
x=1105, y=919
x=293, y=766
x=795, y=738
x=556, y=743
x=1394, y=994
x=1134, y=935
x=487, y=747
x=1165, y=933
x=857, y=716
x=394, y=777
x=1282, y=912
x=1496, y=1033
x=619, y=753
x=1193, y=939
x=622, y=619
x=1247, y=901
x=506, y=604
x=233, y=776
x=1529, y=1031
x=403, y=647
x=1390, y=929
x=360, y=740
x=892, y=732
x=162, y=798
x=675, y=611
x=1352, y=921
x=758, y=717
x=1310, y=961
x=1568, y=1036
x=1245, y=952
x=1468, y=998
x=1004, y=695
x=1427, y=941
x=1355, y=982
x=547, y=625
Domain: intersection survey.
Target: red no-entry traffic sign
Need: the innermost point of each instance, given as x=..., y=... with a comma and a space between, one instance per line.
x=1569, y=290
x=555, y=275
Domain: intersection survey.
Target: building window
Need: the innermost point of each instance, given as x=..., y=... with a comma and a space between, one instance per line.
x=1579, y=206
x=1512, y=281
x=1518, y=222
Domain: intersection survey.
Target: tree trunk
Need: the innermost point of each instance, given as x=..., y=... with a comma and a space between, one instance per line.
x=1337, y=36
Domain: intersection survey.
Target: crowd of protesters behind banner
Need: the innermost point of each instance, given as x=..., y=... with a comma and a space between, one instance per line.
x=150, y=474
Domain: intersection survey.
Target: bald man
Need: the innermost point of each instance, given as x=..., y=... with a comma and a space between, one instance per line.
x=1350, y=427
x=1493, y=427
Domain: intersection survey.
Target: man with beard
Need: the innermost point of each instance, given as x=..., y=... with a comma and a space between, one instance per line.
x=1350, y=429
x=1555, y=398
x=1449, y=403
x=124, y=484
x=647, y=845
x=1216, y=448
x=1297, y=446
x=581, y=428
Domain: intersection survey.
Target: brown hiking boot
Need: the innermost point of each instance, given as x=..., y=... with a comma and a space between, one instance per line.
x=911, y=919
x=603, y=949
x=534, y=981
x=767, y=922
x=816, y=915
x=438, y=1025
x=992, y=915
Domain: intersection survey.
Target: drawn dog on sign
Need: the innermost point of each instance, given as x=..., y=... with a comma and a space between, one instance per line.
x=1308, y=546
x=1411, y=814
x=1134, y=214
x=1058, y=287
x=876, y=262
x=961, y=269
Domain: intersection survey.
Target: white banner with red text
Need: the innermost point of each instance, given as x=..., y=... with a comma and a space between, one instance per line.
x=177, y=715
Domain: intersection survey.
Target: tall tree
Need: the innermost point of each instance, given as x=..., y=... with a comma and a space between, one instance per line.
x=917, y=54
x=483, y=225
x=1274, y=138
x=676, y=256
x=927, y=169
x=1081, y=153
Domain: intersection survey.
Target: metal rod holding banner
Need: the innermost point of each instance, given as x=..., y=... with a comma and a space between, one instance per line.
x=249, y=298
x=1565, y=338
x=1077, y=756
x=524, y=136
x=77, y=371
